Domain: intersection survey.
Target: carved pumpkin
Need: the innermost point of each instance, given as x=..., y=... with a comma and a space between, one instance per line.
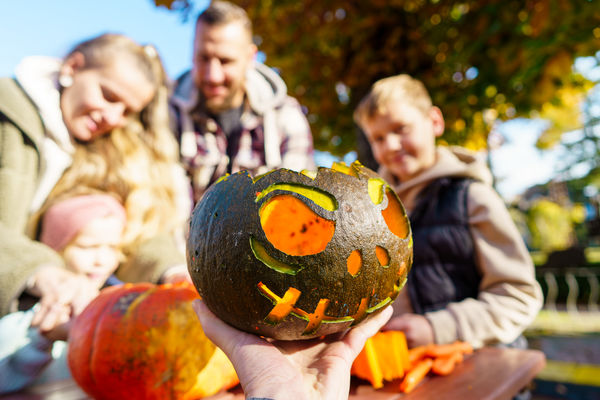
x=299, y=255
x=144, y=341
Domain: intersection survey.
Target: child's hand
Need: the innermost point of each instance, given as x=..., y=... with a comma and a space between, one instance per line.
x=416, y=328
x=58, y=332
x=63, y=295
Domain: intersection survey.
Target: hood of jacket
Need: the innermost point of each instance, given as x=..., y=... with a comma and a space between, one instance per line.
x=38, y=76
x=451, y=161
x=265, y=90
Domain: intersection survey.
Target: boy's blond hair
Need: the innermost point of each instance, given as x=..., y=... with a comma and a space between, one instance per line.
x=398, y=88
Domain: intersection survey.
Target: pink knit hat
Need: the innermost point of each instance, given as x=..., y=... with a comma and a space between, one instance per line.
x=65, y=219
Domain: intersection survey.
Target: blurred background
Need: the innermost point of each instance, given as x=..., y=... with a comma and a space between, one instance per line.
x=517, y=81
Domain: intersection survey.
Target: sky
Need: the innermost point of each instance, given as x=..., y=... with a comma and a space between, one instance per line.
x=517, y=164
x=53, y=27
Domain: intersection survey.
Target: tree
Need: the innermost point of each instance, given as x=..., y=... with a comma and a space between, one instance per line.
x=582, y=151
x=551, y=226
x=482, y=61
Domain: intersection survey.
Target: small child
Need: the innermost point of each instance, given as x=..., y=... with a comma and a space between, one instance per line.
x=472, y=278
x=87, y=231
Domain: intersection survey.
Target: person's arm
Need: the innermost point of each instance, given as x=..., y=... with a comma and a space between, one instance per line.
x=302, y=369
x=27, y=265
x=509, y=296
x=297, y=141
x=20, y=132
x=20, y=259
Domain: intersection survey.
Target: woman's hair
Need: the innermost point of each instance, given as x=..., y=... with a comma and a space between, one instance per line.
x=136, y=162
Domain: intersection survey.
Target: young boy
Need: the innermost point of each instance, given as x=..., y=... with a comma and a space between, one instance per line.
x=87, y=231
x=472, y=278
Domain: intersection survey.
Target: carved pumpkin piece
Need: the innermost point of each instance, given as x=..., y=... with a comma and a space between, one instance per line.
x=383, y=358
x=325, y=250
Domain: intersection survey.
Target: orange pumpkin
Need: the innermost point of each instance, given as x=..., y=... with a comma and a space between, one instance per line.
x=144, y=341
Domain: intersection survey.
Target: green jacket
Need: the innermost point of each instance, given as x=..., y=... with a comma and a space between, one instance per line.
x=21, y=134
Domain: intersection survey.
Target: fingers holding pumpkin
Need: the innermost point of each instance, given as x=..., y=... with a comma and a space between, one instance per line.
x=240, y=347
x=262, y=369
x=219, y=332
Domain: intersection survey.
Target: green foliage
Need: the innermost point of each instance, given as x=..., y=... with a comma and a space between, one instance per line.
x=482, y=61
x=550, y=226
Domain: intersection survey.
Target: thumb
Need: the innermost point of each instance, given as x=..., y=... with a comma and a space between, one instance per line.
x=220, y=333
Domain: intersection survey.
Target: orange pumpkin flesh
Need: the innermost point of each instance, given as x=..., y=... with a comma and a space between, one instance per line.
x=393, y=215
x=354, y=262
x=383, y=358
x=366, y=365
x=140, y=341
x=294, y=228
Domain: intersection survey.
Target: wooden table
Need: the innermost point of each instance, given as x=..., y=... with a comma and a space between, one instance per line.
x=488, y=374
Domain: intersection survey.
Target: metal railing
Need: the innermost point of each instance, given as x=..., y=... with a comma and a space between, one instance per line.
x=575, y=288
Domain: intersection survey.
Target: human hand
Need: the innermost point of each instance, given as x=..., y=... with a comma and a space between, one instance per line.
x=302, y=369
x=416, y=328
x=58, y=332
x=63, y=294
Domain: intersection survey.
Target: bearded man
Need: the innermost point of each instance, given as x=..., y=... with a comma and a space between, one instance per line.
x=231, y=112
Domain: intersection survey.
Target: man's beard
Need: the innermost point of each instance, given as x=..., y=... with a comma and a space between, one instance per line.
x=216, y=105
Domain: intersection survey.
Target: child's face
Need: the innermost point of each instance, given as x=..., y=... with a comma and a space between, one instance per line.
x=403, y=138
x=95, y=251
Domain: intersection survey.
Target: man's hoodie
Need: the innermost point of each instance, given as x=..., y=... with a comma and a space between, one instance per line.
x=509, y=295
x=287, y=139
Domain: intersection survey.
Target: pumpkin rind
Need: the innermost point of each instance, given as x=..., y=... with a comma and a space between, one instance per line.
x=243, y=278
x=139, y=341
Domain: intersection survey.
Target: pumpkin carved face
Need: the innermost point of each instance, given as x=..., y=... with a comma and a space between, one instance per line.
x=299, y=255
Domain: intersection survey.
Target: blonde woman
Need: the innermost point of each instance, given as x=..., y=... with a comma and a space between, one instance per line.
x=97, y=118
